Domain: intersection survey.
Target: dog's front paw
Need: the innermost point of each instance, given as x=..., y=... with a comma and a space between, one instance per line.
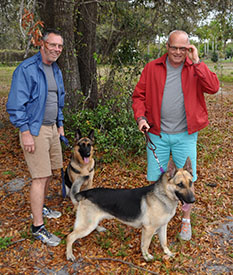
x=101, y=229
x=147, y=256
x=70, y=257
x=168, y=252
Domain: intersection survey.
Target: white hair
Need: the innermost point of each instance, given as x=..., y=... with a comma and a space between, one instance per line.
x=178, y=32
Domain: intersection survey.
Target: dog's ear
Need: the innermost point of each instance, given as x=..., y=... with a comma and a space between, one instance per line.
x=91, y=135
x=171, y=168
x=188, y=165
x=78, y=135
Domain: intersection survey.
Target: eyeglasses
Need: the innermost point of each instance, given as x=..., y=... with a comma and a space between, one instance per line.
x=53, y=46
x=174, y=49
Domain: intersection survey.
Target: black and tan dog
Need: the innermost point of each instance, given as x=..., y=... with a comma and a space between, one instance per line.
x=81, y=164
x=150, y=207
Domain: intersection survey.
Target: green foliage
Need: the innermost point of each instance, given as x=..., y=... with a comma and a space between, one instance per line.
x=14, y=57
x=9, y=172
x=229, y=51
x=226, y=78
x=214, y=57
x=122, y=251
x=5, y=242
x=126, y=54
x=5, y=79
x=116, y=132
x=104, y=240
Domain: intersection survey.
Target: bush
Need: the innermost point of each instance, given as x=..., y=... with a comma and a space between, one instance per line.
x=116, y=132
x=229, y=52
x=10, y=57
x=126, y=54
x=214, y=57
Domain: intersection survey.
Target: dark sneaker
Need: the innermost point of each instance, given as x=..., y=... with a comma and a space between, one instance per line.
x=186, y=231
x=50, y=214
x=48, y=238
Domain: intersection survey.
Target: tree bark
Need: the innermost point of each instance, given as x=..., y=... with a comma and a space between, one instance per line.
x=59, y=15
x=86, y=47
x=64, y=12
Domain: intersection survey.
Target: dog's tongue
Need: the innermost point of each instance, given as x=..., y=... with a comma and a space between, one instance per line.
x=186, y=206
x=86, y=160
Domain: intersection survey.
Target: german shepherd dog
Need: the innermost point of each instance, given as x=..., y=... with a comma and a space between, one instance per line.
x=149, y=207
x=81, y=164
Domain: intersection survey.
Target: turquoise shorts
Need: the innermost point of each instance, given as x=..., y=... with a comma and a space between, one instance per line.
x=180, y=146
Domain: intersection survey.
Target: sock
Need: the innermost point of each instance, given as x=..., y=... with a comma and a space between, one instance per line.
x=186, y=220
x=36, y=228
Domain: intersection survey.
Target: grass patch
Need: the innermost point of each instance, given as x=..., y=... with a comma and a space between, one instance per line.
x=226, y=78
x=5, y=80
x=104, y=240
x=5, y=242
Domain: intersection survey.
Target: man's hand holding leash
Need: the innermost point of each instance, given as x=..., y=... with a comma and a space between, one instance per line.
x=143, y=126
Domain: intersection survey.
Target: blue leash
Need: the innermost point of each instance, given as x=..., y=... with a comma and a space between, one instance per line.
x=63, y=188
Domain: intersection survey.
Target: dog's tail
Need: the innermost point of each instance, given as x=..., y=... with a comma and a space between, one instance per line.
x=76, y=186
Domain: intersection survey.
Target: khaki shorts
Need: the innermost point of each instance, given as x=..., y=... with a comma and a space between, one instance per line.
x=47, y=155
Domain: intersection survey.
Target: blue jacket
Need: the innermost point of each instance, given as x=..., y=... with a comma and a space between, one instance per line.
x=28, y=94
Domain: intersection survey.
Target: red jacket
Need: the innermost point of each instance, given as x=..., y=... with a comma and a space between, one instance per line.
x=196, y=80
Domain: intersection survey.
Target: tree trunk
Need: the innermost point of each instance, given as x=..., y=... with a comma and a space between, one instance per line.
x=64, y=12
x=86, y=47
x=46, y=12
x=58, y=14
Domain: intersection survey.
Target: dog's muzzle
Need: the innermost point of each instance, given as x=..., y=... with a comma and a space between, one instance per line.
x=187, y=198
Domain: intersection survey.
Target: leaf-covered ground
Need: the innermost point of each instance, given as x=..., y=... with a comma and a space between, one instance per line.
x=117, y=251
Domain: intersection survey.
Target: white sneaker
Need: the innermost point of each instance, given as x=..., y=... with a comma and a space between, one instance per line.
x=186, y=231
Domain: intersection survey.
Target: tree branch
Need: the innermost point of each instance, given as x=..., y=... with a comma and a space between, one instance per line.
x=29, y=39
x=124, y=262
x=20, y=18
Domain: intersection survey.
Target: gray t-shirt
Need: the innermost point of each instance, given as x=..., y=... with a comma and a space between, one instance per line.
x=51, y=107
x=173, y=116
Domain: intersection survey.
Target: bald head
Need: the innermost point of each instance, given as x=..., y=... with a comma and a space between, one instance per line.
x=178, y=33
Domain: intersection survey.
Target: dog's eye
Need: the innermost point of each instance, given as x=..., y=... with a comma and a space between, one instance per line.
x=181, y=185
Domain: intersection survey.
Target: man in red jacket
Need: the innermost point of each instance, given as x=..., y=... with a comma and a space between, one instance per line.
x=169, y=103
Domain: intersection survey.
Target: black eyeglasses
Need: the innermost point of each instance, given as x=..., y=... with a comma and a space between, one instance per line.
x=174, y=49
x=53, y=46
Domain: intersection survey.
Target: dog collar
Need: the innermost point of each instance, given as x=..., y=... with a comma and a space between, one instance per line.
x=74, y=170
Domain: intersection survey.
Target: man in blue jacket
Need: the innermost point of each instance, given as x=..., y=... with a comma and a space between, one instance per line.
x=35, y=105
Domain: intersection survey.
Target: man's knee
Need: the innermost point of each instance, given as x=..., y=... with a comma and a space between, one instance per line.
x=41, y=181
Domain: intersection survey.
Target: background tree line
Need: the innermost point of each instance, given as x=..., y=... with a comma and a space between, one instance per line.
x=108, y=42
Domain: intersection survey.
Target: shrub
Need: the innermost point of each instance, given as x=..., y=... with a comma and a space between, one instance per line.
x=116, y=132
x=10, y=57
x=126, y=54
x=214, y=57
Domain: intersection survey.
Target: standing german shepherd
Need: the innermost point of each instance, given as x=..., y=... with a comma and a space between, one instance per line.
x=81, y=164
x=150, y=207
